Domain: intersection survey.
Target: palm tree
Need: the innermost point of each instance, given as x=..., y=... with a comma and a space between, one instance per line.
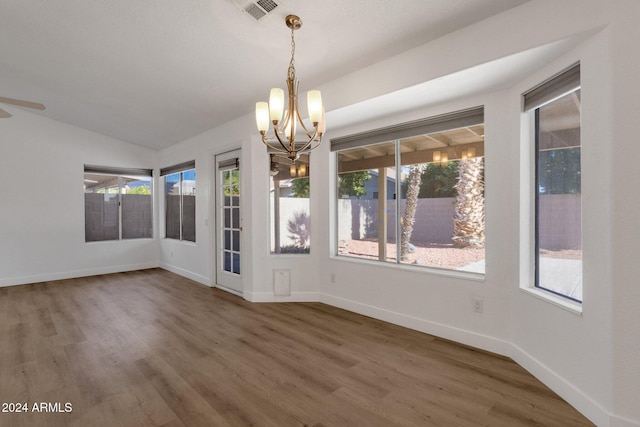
x=409, y=217
x=468, y=217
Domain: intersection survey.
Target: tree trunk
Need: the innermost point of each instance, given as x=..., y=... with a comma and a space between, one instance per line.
x=409, y=217
x=468, y=219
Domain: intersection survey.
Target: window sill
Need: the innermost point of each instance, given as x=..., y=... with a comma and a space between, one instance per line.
x=458, y=274
x=285, y=255
x=137, y=239
x=558, y=301
x=177, y=241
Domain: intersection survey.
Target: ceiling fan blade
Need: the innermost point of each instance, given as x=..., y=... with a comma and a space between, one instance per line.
x=21, y=103
x=4, y=114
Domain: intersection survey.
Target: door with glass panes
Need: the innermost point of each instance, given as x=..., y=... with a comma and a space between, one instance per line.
x=229, y=222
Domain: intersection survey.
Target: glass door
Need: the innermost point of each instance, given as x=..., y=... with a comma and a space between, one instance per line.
x=229, y=222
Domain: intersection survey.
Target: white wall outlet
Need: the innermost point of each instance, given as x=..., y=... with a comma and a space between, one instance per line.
x=477, y=305
x=333, y=277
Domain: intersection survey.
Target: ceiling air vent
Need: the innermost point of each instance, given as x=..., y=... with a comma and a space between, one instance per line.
x=256, y=9
x=267, y=5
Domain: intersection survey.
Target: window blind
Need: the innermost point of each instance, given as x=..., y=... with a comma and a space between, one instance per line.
x=553, y=88
x=178, y=168
x=459, y=119
x=108, y=170
x=229, y=164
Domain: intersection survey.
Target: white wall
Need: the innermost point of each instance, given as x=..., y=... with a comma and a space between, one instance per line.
x=198, y=261
x=42, y=214
x=570, y=350
x=625, y=268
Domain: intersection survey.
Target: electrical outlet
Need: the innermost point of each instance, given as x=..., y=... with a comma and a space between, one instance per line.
x=477, y=305
x=333, y=278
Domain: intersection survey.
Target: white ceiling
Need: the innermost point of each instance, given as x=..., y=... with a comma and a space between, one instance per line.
x=158, y=72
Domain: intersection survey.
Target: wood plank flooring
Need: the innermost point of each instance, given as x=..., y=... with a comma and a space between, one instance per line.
x=151, y=348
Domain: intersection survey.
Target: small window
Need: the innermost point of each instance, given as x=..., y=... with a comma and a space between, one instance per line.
x=290, y=208
x=180, y=201
x=413, y=194
x=555, y=106
x=117, y=203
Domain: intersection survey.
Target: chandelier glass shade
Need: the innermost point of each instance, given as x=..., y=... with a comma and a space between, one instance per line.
x=286, y=120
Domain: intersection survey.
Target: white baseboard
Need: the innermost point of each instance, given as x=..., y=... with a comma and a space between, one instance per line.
x=269, y=297
x=462, y=336
x=573, y=395
x=62, y=275
x=186, y=273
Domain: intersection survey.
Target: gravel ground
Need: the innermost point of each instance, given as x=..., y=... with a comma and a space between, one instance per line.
x=441, y=256
x=436, y=255
x=563, y=254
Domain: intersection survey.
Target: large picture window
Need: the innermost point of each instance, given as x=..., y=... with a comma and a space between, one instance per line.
x=413, y=193
x=180, y=201
x=117, y=203
x=290, y=209
x=555, y=107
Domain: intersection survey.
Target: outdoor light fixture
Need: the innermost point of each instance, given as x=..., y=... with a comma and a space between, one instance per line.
x=285, y=121
x=298, y=172
x=468, y=154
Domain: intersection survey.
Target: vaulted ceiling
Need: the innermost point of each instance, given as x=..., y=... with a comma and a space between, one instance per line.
x=158, y=72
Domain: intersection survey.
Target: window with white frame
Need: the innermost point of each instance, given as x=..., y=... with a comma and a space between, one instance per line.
x=413, y=193
x=290, y=207
x=180, y=201
x=117, y=203
x=555, y=109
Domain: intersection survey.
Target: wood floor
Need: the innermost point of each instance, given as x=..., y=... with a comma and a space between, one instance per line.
x=151, y=348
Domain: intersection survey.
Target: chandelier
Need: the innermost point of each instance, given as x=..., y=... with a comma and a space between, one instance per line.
x=285, y=121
